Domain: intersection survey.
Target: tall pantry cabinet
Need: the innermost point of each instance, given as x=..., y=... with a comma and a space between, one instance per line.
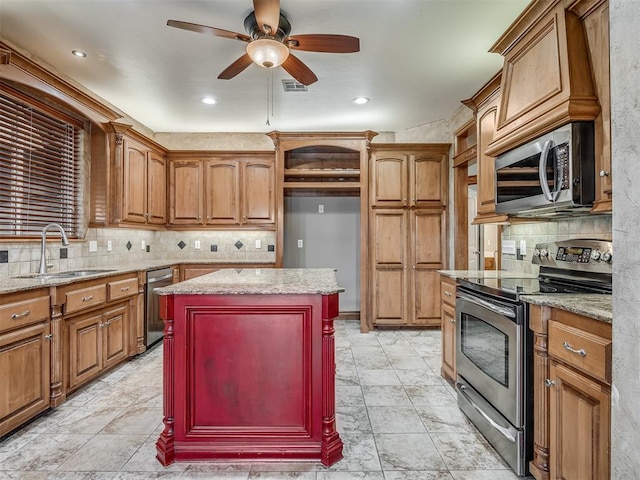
x=407, y=219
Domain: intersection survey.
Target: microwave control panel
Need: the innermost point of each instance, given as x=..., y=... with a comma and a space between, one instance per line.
x=562, y=164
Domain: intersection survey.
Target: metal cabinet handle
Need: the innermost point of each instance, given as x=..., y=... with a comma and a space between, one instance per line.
x=452, y=320
x=15, y=316
x=604, y=173
x=448, y=294
x=549, y=383
x=86, y=299
x=580, y=352
x=124, y=289
x=49, y=336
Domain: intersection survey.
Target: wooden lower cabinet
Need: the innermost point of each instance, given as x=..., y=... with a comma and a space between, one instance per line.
x=579, y=419
x=407, y=250
x=25, y=372
x=96, y=341
x=448, y=306
x=572, y=395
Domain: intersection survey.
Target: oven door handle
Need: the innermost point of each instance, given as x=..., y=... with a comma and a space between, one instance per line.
x=506, y=432
x=506, y=312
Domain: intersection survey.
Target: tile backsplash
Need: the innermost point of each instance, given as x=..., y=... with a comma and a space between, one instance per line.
x=591, y=226
x=129, y=245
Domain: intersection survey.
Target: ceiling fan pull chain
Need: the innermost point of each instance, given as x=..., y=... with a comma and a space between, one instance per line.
x=268, y=124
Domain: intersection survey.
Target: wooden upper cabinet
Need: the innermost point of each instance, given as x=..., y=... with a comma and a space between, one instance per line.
x=409, y=175
x=186, y=192
x=222, y=187
x=546, y=78
x=485, y=106
x=145, y=188
x=258, y=192
x=222, y=190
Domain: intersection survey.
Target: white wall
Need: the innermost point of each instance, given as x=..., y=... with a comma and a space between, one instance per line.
x=625, y=119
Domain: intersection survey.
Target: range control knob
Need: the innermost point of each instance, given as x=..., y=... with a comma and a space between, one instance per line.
x=595, y=255
x=536, y=252
x=544, y=252
x=606, y=256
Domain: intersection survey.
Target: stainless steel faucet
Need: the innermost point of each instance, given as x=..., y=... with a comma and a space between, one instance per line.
x=43, y=251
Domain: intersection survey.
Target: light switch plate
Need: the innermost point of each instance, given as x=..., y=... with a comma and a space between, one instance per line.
x=523, y=247
x=196, y=244
x=93, y=246
x=300, y=243
x=109, y=245
x=143, y=245
x=509, y=247
x=258, y=244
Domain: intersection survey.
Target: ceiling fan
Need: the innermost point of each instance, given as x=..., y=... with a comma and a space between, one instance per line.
x=269, y=43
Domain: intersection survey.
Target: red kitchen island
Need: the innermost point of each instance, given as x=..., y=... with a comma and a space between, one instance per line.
x=249, y=367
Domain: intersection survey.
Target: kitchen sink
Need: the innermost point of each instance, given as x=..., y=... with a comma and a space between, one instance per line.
x=68, y=274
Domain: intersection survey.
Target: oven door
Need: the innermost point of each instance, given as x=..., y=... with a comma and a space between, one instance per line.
x=489, y=351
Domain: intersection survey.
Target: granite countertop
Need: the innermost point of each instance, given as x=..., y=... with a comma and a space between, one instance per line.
x=485, y=274
x=258, y=281
x=18, y=284
x=598, y=307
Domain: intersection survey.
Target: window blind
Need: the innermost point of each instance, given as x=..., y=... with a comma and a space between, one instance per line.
x=39, y=170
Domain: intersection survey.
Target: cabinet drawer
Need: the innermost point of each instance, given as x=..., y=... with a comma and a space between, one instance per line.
x=25, y=312
x=122, y=288
x=583, y=350
x=82, y=298
x=448, y=293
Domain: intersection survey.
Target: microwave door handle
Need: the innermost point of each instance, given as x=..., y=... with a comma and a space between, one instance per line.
x=542, y=175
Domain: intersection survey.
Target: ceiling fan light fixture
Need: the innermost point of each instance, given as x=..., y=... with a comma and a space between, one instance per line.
x=267, y=53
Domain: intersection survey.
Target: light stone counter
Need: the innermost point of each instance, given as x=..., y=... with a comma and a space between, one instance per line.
x=484, y=274
x=258, y=281
x=598, y=307
x=18, y=284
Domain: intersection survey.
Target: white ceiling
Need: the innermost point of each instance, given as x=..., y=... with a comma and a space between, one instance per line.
x=417, y=60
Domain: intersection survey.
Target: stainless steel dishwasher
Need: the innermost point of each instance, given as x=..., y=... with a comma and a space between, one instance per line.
x=153, y=324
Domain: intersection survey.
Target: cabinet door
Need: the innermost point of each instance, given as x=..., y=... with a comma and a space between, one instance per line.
x=580, y=422
x=426, y=246
x=222, y=197
x=156, y=189
x=389, y=243
x=258, y=192
x=427, y=176
x=448, y=341
x=114, y=336
x=85, y=348
x=135, y=182
x=25, y=373
x=389, y=179
x=487, y=117
x=186, y=192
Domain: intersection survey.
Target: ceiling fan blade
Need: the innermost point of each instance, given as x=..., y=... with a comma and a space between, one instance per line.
x=218, y=32
x=299, y=70
x=323, y=43
x=236, y=67
x=268, y=15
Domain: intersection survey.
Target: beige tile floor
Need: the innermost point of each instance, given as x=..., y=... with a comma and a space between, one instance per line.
x=397, y=417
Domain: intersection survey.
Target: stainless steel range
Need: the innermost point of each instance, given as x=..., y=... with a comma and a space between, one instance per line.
x=495, y=346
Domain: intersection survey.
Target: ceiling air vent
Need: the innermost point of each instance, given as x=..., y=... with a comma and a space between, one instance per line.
x=290, y=85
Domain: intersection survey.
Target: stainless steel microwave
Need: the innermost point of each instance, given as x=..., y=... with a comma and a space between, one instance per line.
x=553, y=175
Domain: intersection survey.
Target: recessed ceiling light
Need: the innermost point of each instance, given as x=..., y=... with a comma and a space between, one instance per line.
x=208, y=100
x=360, y=100
x=79, y=53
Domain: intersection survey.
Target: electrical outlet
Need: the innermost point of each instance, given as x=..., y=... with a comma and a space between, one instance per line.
x=320, y=208
x=509, y=247
x=196, y=244
x=109, y=246
x=143, y=245
x=258, y=244
x=300, y=243
x=523, y=247
x=93, y=246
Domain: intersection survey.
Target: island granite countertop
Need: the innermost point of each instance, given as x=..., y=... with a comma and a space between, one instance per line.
x=258, y=281
x=596, y=306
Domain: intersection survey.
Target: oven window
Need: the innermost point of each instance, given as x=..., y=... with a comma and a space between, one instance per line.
x=485, y=346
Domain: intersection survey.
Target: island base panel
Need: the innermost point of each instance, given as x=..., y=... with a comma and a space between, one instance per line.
x=246, y=378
